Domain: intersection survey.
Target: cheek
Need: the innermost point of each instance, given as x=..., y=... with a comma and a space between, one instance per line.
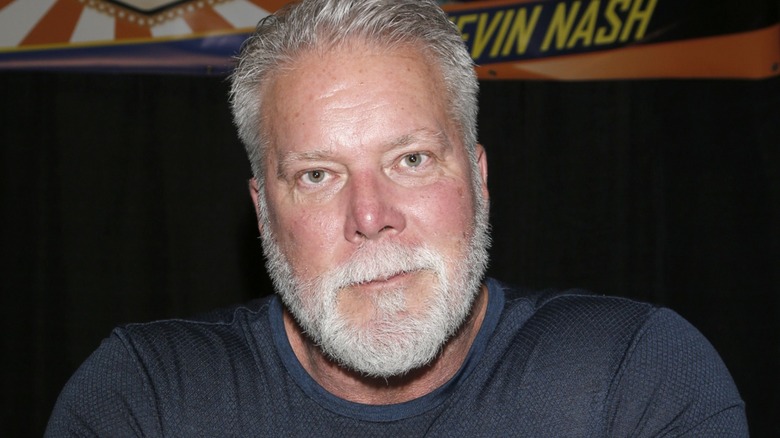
x=446, y=212
x=308, y=237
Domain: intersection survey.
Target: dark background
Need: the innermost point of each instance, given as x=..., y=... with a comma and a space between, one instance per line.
x=124, y=199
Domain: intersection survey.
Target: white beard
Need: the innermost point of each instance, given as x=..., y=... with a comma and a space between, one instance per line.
x=396, y=339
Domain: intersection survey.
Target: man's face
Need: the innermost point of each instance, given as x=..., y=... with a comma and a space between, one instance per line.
x=372, y=235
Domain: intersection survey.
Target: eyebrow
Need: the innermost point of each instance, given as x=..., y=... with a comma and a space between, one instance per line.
x=407, y=139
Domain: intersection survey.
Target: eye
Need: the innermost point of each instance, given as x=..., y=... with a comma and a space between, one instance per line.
x=413, y=160
x=316, y=176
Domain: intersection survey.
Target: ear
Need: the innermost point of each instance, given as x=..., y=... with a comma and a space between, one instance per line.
x=254, y=193
x=483, y=169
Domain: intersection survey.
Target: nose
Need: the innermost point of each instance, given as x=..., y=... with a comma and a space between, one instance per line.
x=373, y=212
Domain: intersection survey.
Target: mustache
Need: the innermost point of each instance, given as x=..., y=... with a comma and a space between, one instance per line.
x=378, y=262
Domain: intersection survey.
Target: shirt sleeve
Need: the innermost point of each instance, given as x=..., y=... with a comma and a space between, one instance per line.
x=108, y=396
x=673, y=383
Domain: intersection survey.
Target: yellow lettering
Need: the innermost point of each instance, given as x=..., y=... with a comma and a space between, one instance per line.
x=463, y=21
x=521, y=32
x=586, y=27
x=483, y=36
x=502, y=33
x=640, y=16
x=602, y=37
x=560, y=26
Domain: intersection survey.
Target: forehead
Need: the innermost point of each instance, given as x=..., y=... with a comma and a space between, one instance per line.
x=358, y=58
x=326, y=87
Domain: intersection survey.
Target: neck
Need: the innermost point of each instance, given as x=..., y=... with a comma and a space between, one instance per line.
x=355, y=387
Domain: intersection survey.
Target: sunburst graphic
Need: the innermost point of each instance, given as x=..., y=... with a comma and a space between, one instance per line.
x=151, y=13
x=53, y=23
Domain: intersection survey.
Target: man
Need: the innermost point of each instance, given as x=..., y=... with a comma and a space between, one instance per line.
x=359, y=118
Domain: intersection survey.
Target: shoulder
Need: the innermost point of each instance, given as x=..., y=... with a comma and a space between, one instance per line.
x=191, y=346
x=650, y=370
x=640, y=338
x=212, y=328
x=576, y=314
x=180, y=357
x=672, y=381
x=146, y=374
x=572, y=333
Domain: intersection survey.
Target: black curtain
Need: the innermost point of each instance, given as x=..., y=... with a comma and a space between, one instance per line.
x=124, y=199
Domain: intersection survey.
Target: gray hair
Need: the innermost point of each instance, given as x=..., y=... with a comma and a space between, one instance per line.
x=320, y=25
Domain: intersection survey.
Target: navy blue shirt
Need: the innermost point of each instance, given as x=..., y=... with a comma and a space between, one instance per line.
x=562, y=364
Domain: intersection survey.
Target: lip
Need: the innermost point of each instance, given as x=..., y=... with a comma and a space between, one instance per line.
x=384, y=282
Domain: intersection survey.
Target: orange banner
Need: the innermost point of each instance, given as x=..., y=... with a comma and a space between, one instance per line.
x=509, y=39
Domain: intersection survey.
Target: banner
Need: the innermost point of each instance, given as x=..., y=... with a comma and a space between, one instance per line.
x=613, y=39
x=168, y=36
x=508, y=39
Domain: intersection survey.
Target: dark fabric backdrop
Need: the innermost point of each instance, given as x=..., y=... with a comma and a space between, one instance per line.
x=124, y=199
